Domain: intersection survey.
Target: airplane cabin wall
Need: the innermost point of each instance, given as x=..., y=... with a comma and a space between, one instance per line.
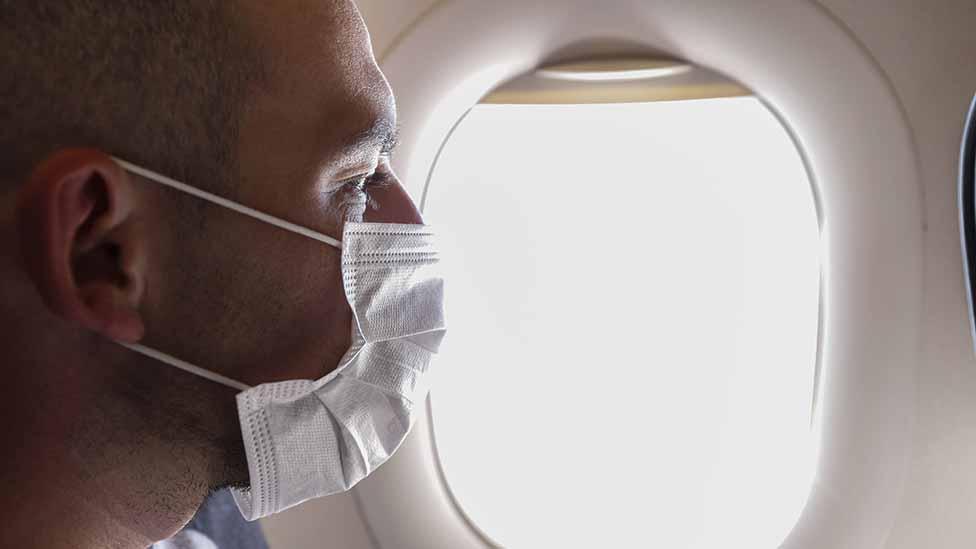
x=928, y=51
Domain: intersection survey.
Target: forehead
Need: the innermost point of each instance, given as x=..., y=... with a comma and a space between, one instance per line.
x=296, y=31
x=322, y=87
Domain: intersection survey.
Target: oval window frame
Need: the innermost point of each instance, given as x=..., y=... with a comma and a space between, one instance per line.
x=852, y=128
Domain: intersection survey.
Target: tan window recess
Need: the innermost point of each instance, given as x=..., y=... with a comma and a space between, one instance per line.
x=625, y=80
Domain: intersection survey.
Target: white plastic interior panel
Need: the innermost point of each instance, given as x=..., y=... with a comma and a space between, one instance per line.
x=638, y=336
x=875, y=93
x=852, y=130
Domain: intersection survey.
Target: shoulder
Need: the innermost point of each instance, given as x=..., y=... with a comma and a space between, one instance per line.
x=218, y=524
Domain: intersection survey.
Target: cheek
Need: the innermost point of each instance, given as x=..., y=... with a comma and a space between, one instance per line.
x=305, y=320
x=254, y=303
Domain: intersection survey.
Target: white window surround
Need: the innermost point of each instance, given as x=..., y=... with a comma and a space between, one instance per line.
x=851, y=128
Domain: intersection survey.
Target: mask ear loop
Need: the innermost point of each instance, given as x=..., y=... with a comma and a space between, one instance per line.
x=185, y=366
x=239, y=208
x=220, y=201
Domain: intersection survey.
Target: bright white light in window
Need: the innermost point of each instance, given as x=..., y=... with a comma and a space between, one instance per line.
x=633, y=306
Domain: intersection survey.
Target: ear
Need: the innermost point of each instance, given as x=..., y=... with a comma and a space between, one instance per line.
x=80, y=242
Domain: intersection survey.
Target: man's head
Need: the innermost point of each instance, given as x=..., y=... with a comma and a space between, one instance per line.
x=276, y=105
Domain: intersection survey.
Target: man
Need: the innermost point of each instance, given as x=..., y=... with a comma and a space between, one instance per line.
x=276, y=106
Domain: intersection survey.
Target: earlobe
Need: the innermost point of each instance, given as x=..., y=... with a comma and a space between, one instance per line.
x=80, y=243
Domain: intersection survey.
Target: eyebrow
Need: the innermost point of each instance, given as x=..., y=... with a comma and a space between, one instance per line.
x=383, y=134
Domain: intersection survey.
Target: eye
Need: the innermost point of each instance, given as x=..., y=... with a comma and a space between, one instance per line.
x=366, y=183
x=361, y=184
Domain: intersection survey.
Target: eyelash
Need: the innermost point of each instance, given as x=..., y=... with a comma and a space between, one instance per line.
x=364, y=184
x=378, y=178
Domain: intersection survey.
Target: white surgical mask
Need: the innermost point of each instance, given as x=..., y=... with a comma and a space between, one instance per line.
x=305, y=439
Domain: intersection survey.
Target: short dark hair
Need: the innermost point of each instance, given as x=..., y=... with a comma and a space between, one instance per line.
x=161, y=83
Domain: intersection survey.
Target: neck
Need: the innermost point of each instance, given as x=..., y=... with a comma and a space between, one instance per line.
x=55, y=512
x=87, y=472
x=58, y=496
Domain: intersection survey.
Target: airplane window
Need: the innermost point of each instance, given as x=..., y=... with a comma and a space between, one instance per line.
x=634, y=308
